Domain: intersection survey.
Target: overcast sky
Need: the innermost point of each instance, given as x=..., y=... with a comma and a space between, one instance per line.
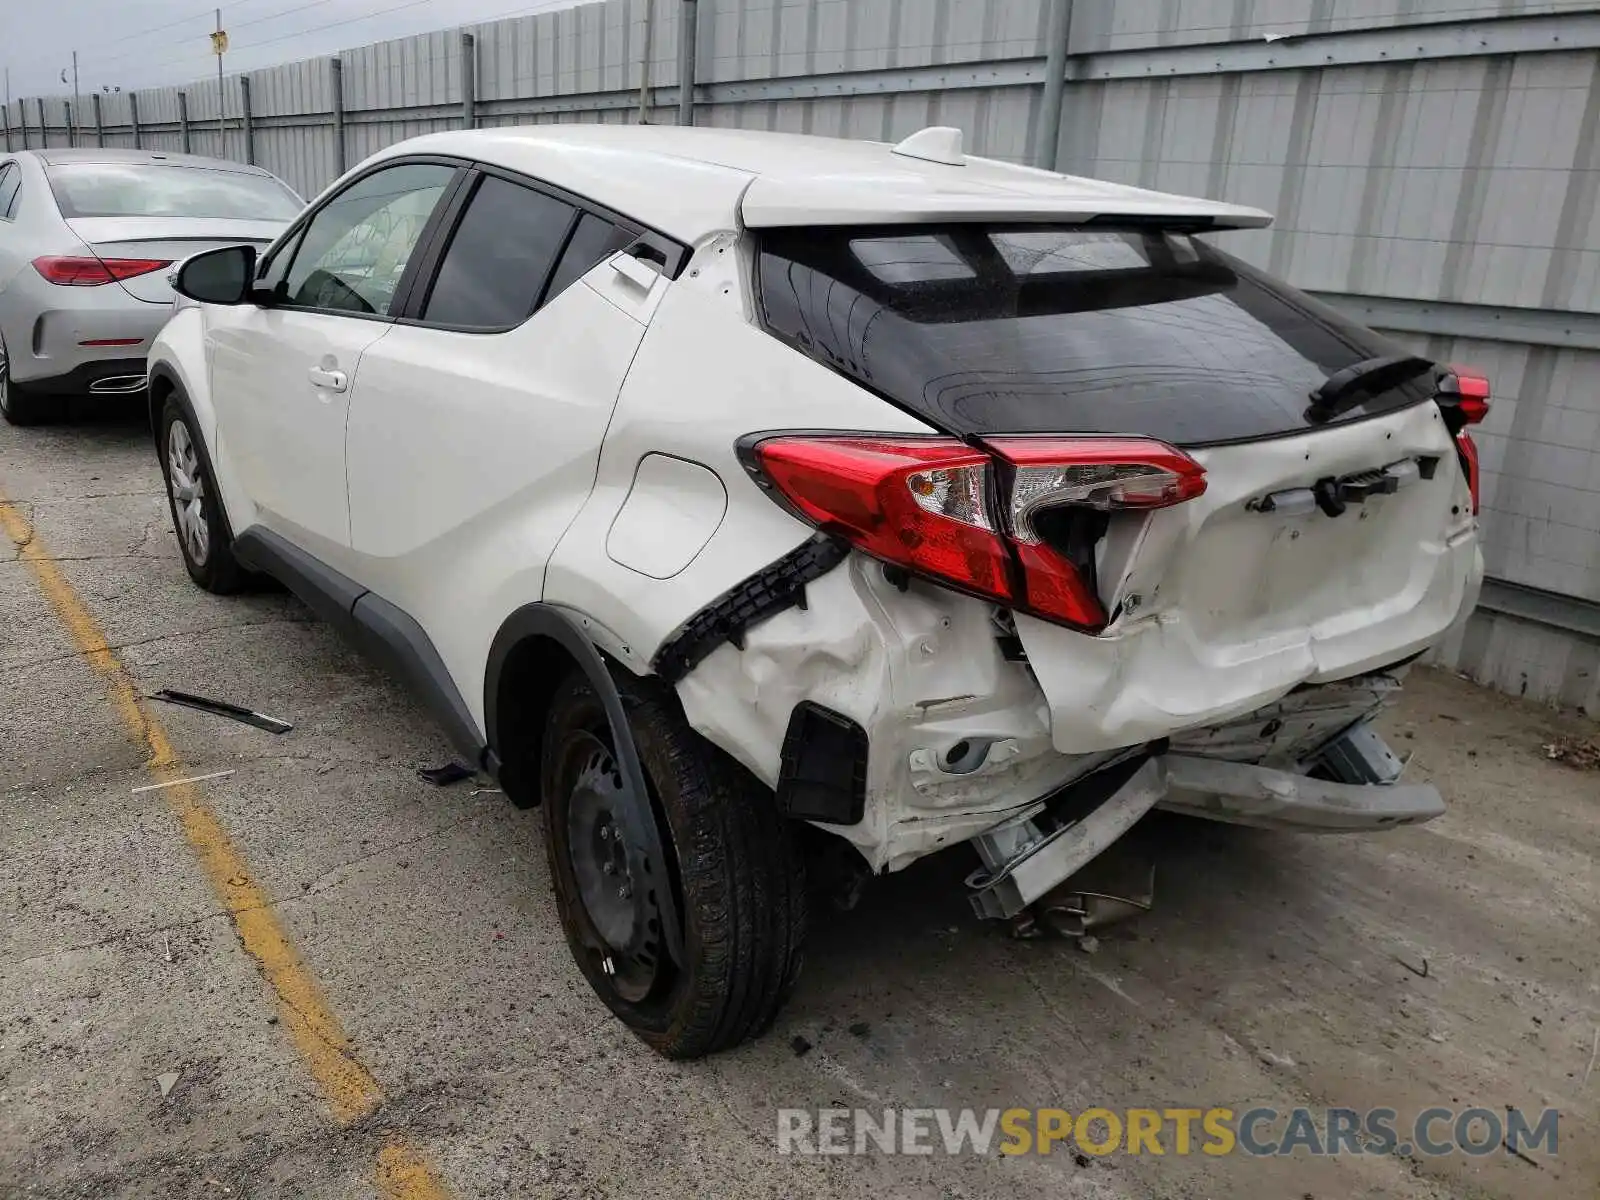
x=143, y=43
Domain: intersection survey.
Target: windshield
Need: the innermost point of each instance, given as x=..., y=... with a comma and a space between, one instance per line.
x=142, y=190
x=1066, y=329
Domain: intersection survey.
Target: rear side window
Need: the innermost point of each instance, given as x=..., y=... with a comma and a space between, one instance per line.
x=144, y=190
x=10, y=185
x=499, y=258
x=1063, y=329
x=594, y=239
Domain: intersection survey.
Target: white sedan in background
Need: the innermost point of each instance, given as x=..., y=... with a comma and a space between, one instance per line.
x=722, y=490
x=87, y=238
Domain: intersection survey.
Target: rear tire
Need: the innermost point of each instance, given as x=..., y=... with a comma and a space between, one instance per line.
x=736, y=874
x=203, y=534
x=18, y=405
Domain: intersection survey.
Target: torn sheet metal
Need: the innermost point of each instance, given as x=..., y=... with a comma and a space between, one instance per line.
x=1295, y=728
x=959, y=734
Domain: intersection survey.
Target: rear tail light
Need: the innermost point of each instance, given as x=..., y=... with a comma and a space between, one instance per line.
x=1463, y=396
x=931, y=504
x=916, y=502
x=74, y=271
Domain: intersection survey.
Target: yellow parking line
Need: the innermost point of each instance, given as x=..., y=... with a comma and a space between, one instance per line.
x=351, y=1090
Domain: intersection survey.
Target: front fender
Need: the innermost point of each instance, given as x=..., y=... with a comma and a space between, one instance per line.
x=178, y=364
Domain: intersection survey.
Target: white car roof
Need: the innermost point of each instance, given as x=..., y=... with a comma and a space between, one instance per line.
x=690, y=182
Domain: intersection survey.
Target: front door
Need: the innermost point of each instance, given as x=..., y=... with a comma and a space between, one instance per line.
x=283, y=374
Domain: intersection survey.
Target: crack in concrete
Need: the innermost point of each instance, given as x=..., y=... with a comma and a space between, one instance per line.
x=68, y=655
x=309, y=890
x=25, y=511
x=155, y=495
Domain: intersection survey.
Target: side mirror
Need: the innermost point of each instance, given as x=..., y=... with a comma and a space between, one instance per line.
x=220, y=276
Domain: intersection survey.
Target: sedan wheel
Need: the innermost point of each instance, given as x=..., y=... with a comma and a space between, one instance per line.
x=188, y=487
x=17, y=406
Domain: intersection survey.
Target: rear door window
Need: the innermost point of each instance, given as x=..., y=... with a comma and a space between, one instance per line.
x=594, y=239
x=499, y=258
x=1064, y=329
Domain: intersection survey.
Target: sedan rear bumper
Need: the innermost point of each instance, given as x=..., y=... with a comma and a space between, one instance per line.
x=73, y=340
x=1243, y=794
x=109, y=375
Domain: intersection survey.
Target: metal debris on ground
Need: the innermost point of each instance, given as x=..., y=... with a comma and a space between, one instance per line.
x=1581, y=753
x=169, y=783
x=1420, y=974
x=1116, y=886
x=450, y=772
x=166, y=1081
x=221, y=708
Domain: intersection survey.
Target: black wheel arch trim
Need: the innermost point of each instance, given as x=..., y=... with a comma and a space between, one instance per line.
x=547, y=621
x=384, y=632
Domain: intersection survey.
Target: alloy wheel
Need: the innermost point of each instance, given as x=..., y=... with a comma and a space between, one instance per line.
x=187, y=485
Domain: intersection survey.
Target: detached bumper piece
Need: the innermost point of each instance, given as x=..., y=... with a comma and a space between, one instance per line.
x=1241, y=794
x=1021, y=862
x=1027, y=857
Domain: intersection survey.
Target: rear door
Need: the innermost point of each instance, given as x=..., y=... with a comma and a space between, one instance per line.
x=476, y=433
x=1020, y=335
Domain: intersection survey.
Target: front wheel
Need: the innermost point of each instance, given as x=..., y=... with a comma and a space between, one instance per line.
x=734, y=870
x=196, y=508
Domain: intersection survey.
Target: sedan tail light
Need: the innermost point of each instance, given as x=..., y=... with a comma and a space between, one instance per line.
x=76, y=271
x=930, y=504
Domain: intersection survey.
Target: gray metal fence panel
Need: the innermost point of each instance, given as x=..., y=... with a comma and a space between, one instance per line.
x=1100, y=25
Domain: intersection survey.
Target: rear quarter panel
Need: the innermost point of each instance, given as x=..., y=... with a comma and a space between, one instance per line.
x=704, y=377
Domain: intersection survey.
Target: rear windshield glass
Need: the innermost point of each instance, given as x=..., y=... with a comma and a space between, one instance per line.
x=137, y=190
x=1064, y=330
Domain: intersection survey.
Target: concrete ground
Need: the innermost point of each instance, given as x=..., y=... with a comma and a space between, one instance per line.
x=1275, y=969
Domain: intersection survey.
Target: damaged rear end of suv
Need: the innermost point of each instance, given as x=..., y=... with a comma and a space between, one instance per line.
x=1077, y=516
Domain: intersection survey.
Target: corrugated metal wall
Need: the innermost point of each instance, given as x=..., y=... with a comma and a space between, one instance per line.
x=1433, y=165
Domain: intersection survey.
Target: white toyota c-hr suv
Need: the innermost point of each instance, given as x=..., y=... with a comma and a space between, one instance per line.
x=714, y=488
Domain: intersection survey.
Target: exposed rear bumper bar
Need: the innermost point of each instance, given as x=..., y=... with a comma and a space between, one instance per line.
x=1021, y=862
x=1243, y=794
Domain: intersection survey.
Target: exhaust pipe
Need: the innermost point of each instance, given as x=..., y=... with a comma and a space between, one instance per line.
x=118, y=384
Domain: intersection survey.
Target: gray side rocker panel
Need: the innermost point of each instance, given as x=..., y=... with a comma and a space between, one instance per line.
x=386, y=634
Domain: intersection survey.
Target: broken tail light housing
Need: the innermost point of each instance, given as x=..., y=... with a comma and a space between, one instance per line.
x=79, y=271
x=968, y=518
x=918, y=503
x=1463, y=396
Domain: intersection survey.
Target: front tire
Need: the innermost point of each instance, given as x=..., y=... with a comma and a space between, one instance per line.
x=18, y=405
x=735, y=871
x=197, y=518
